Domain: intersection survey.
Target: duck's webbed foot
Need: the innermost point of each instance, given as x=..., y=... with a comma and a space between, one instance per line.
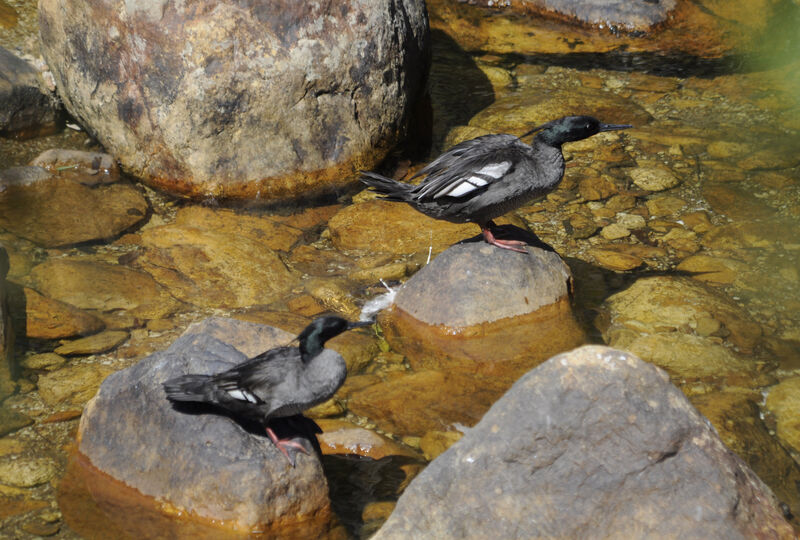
x=284, y=444
x=513, y=245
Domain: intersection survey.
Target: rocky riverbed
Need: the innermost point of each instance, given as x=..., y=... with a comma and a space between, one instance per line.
x=680, y=236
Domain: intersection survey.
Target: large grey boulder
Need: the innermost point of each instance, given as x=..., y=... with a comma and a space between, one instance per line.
x=205, y=464
x=593, y=443
x=258, y=100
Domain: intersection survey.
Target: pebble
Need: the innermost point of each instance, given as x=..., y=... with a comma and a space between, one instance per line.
x=46, y=361
x=614, y=260
x=665, y=205
x=614, y=231
x=104, y=341
x=654, y=178
x=631, y=221
x=26, y=472
x=712, y=269
x=580, y=226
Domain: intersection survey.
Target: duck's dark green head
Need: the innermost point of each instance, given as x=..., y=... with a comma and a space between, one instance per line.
x=313, y=337
x=572, y=128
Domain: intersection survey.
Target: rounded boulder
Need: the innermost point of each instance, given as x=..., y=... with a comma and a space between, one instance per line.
x=239, y=100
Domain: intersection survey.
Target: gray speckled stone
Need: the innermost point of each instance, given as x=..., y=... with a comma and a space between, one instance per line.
x=482, y=283
x=240, y=99
x=205, y=463
x=593, y=443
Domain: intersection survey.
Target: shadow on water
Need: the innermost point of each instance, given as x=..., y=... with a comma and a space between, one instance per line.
x=459, y=89
x=356, y=481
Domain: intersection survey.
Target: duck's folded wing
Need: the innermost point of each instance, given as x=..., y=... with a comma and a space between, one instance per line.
x=469, y=173
x=254, y=380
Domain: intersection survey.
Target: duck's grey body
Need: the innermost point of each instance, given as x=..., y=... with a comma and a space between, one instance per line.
x=279, y=383
x=274, y=384
x=481, y=179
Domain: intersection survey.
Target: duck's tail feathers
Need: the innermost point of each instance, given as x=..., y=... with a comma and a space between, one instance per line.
x=392, y=190
x=188, y=388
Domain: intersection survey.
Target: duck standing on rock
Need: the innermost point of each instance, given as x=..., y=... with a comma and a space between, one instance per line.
x=279, y=383
x=486, y=177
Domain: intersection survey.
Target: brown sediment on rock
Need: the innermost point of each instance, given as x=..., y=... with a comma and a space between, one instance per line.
x=525, y=341
x=269, y=190
x=96, y=505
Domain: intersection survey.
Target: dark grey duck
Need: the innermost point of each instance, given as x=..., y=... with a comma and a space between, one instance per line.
x=481, y=179
x=278, y=383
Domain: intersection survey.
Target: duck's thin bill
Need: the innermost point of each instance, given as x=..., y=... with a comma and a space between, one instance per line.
x=359, y=324
x=614, y=127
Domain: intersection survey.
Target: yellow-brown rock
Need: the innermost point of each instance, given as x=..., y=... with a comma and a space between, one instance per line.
x=214, y=269
x=89, y=284
x=273, y=234
x=396, y=228
x=738, y=421
x=46, y=318
x=706, y=29
x=53, y=211
x=677, y=305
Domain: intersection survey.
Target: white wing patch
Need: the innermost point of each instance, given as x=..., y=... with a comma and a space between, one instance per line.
x=242, y=395
x=479, y=178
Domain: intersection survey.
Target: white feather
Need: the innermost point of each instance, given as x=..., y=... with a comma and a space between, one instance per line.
x=495, y=170
x=380, y=302
x=466, y=185
x=242, y=395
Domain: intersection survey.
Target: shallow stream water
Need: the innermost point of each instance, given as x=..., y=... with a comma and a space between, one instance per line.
x=727, y=133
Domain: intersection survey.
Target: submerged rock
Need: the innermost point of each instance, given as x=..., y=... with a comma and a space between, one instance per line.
x=740, y=423
x=46, y=318
x=783, y=402
x=669, y=305
x=88, y=168
x=417, y=402
x=592, y=443
x=246, y=101
x=55, y=211
x=396, y=228
x=661, y=36
x=72, y=385
x=201, y=463
x=90, y=284
x=480, y=309
x=214, y=268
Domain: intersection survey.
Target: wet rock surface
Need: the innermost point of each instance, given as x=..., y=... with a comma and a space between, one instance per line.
x=782, y=402
x=214, y=268
x=474, y=300
x=206, y=464
x=46, y=318
x=627, y=32
x=326, y=92
x=52, y=210
x=89, y=284
x=515, y=473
